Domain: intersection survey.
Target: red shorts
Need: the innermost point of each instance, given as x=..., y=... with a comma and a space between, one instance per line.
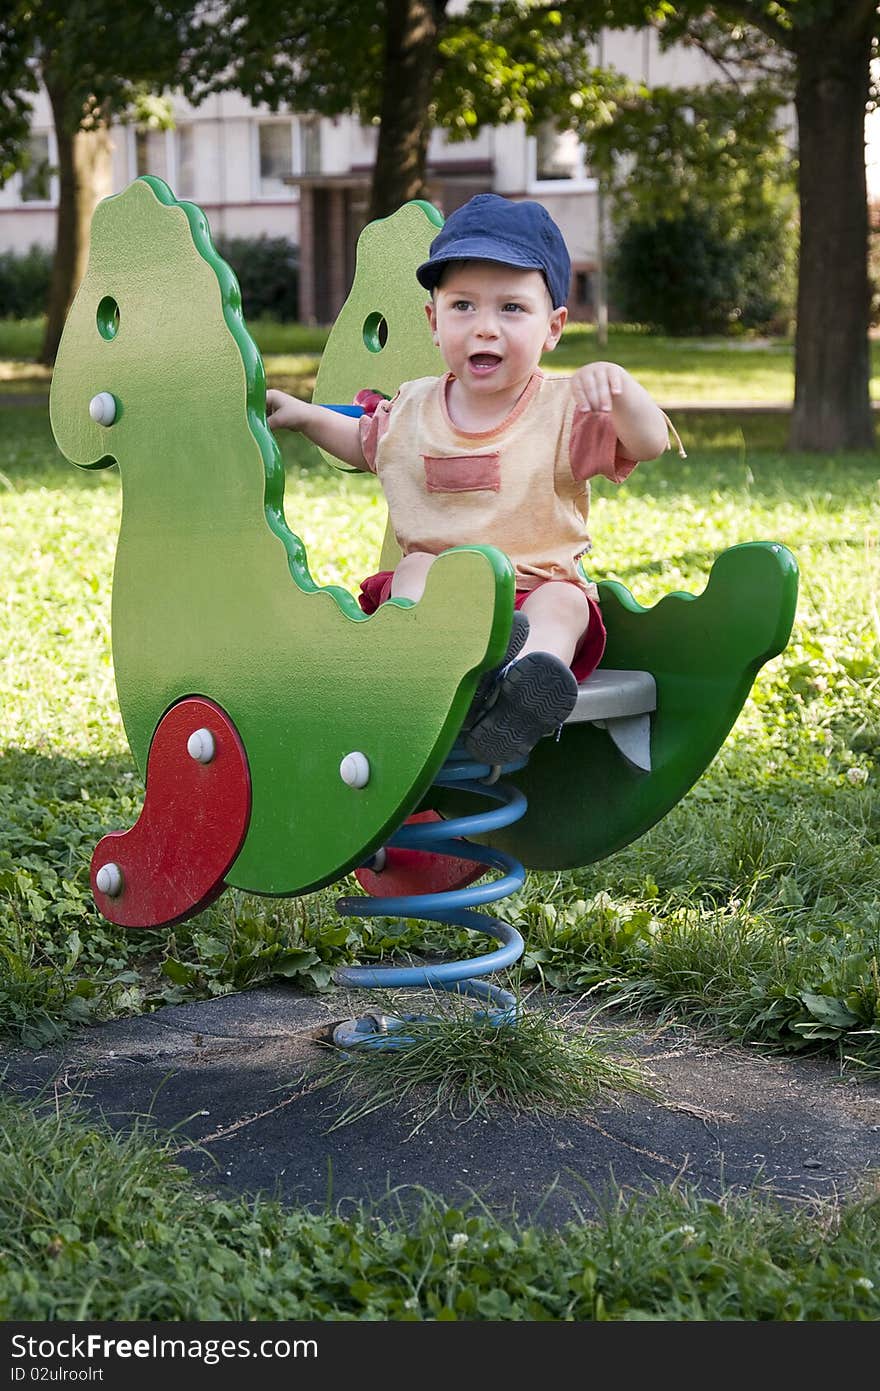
x=375, y=589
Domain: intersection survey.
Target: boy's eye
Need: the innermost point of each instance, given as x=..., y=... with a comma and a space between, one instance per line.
x=512, y=308
x=461, y=304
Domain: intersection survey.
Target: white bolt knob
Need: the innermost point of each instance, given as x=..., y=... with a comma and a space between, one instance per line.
x=102, y=408
x=355, y=770
x=108, y=880
x=379, y=860
x=200, y=745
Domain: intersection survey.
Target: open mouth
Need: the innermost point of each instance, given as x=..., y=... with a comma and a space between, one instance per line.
x=481, y=363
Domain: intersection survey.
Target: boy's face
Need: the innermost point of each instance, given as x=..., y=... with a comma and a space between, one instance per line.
x=492, y=323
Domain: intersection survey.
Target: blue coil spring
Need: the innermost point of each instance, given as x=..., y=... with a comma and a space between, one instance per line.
x=454, y=907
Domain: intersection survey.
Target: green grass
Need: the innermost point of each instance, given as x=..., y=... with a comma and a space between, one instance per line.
x=20, y=338
x=674, y=370
x=99, y=1227
x=688, y=370
x=752, y=909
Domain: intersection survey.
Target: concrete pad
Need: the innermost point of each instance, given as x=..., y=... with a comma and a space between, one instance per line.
x=235, y=1079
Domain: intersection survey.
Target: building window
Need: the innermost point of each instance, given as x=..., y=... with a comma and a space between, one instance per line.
x=186, y=162
x=583, y=289
x=558, y=154
x=36, y=177
x=310, y=145
x=151, y=153
x=276, y=158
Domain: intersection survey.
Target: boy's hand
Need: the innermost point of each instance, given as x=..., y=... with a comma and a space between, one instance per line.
x=284, y=412
x=335, y=433
x=595, y=385
x=640, y=424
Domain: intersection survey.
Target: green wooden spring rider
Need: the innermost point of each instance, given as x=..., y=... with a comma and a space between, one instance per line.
x=285, y=737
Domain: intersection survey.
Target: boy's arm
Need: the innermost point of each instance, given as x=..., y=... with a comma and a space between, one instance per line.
x=338, y=434
x=640, y=424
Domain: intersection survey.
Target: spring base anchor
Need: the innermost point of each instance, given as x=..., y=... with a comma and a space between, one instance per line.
x=455, y=907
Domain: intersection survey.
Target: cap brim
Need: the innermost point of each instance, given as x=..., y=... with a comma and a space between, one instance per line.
x=474, y=249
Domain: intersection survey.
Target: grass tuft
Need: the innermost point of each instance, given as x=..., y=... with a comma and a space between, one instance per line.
x=460, y=1065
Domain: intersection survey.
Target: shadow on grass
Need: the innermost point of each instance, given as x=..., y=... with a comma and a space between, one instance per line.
x=65, y=776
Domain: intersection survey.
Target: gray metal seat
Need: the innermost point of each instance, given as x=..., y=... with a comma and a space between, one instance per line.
x=620, y=702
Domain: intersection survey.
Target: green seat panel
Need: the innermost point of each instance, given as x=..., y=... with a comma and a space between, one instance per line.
x=212, y=594
x=585, y=799
x=384, y=294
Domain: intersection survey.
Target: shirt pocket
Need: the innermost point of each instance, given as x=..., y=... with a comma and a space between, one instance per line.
x=463, y=473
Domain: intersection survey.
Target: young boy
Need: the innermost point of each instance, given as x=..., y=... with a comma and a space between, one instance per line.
x=495, y=453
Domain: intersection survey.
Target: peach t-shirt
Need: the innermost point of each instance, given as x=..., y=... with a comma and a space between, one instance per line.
x=522, y=486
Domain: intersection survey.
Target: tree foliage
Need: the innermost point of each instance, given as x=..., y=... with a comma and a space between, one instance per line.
x=710, y=168
x=407, y=65
x=99, y=56
x=328, y=55
x=324, y=56
x=519, y=62
x=96, y=59
x=489, y=62
x=713, y=146
x=18, y=81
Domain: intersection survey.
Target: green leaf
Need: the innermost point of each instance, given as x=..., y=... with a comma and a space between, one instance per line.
x=293, y=963
x=829, y=1010
x=177, y=971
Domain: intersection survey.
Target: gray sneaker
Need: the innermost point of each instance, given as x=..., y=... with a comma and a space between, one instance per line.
x=519, y=631
x=533, y=697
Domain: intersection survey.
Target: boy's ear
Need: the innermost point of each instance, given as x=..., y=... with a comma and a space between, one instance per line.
x=432, y=318
x=554, y=329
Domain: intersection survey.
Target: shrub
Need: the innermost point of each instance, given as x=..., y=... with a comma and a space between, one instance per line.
x=268, y=273
x=767, y=275
x=24, y=282
x=684, y=275
x=267, y=269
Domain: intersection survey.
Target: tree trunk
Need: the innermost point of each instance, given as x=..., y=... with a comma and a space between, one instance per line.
x=84, y=177
x=412, y=31
x=832, y=408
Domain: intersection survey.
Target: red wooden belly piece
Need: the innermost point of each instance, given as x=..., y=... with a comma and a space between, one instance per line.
x=196, y=810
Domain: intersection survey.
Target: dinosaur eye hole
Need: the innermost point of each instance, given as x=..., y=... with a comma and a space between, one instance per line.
x=107, y=318
x=375, y=332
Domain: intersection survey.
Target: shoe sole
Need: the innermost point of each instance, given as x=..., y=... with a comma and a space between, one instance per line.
x=534, y=698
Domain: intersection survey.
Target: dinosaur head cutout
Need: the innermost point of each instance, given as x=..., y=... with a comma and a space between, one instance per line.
x=156, y=335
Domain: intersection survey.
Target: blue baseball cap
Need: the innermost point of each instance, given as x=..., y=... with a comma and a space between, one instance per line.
x=491, y=228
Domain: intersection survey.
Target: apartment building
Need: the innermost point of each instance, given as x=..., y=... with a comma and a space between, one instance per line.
x=307, y=178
